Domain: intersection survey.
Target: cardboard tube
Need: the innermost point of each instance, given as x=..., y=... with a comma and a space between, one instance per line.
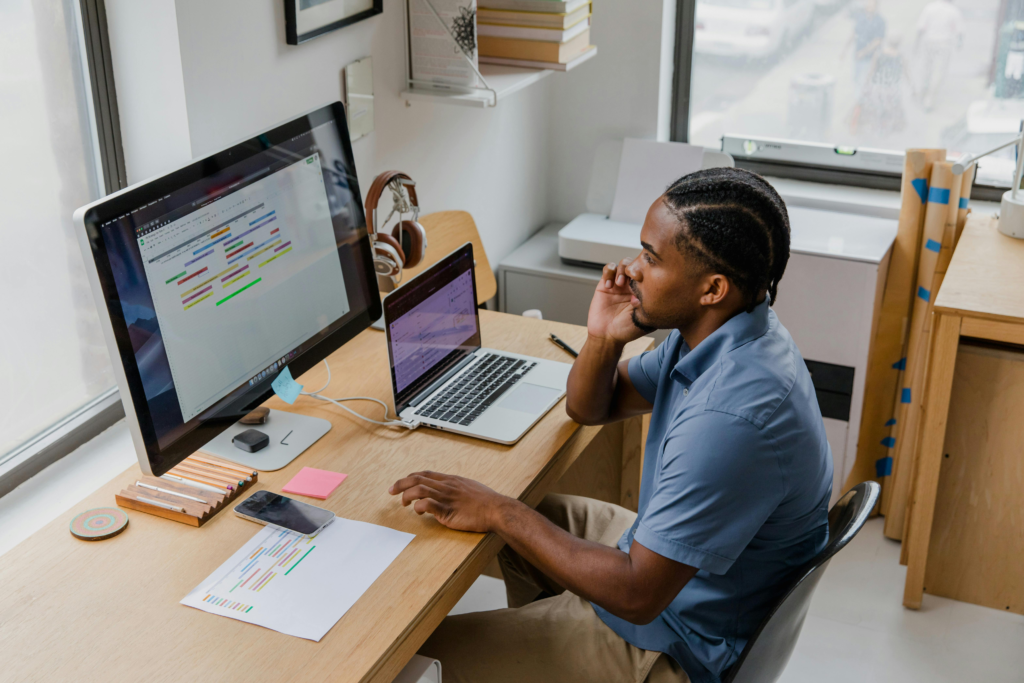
x=891, y=321
x=965, y=200
x=939, y=226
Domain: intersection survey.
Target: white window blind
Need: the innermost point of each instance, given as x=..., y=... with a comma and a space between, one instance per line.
x=52, y=356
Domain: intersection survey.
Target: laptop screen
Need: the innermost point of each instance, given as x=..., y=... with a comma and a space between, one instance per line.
x=432, y=324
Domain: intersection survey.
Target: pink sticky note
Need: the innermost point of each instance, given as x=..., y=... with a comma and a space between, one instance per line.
x=314, y=483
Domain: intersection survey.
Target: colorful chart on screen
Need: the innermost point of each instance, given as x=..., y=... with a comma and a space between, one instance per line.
x=239, y=282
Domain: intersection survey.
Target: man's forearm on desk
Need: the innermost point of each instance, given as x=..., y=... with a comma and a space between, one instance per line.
x=593, y=382
x=606, y=576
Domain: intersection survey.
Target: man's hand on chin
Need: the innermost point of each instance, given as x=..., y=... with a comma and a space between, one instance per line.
x=456, y=502
x=610, y=318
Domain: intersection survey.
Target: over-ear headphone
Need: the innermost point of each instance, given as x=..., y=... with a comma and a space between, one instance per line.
x=406, y=246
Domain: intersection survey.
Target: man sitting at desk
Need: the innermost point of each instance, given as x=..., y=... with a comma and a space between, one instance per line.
x=736, y=479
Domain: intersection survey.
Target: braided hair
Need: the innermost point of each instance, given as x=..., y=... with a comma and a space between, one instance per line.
x=733, y=222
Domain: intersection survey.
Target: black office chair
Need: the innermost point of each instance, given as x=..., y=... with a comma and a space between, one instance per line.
x=768, y=651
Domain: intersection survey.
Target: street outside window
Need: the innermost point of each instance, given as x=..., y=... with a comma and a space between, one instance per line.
x=885, y=74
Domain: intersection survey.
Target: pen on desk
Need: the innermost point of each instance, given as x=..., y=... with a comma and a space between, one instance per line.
x=565, y=347
x=196, y=484
x=170, y=492
x=160, y=504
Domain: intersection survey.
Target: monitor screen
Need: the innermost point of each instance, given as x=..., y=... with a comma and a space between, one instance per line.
x=219, y=275
x=431, y=324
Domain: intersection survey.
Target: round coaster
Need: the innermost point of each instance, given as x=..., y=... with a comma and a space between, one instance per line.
x=98, y=524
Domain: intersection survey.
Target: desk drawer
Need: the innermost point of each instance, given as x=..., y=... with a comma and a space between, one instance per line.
x=833, y=385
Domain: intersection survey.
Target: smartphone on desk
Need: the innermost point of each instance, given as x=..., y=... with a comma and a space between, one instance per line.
x=272, y=509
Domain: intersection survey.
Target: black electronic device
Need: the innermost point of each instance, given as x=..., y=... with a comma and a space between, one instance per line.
x=272, y=509
x=251, y=440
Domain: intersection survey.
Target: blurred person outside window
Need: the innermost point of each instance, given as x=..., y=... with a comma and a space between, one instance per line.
x=940, y=30
x=881, y=108
x=868, y=32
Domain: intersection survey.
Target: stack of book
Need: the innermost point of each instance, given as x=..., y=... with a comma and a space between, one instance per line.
x=539, y=34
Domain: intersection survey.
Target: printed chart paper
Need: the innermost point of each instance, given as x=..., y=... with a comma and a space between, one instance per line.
x=296, y=584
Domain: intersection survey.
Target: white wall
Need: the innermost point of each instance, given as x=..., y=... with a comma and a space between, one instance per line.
x=150, y=86
x=239, y=76
x=615, y=95
x=514, y=167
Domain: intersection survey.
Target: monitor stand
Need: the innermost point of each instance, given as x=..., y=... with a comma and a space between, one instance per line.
x=290, y=434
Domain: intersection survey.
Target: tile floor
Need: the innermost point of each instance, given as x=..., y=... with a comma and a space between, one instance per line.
x=858, y=631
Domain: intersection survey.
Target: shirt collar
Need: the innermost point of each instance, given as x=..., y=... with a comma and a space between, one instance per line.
x=737, y=330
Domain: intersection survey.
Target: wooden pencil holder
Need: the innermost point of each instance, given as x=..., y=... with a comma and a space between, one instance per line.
x=195, y=513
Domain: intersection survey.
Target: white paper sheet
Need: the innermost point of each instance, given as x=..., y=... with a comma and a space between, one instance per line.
x=646, y=168
x=299, y=585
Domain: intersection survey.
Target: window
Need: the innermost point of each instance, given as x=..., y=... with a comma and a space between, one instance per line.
x=53, y=360
x=885, y=74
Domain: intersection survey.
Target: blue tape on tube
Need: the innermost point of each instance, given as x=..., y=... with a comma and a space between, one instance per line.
x=932, y=245
x=921, y=185
x=901, y=364
x=891, y=422
x=964, y=201
x=905, y=395
x=937, y=195
x=924, y=293
x=883, y=467
x=888, y=442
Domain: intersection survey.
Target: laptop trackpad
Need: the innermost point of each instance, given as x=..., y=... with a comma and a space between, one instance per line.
x=529, y=398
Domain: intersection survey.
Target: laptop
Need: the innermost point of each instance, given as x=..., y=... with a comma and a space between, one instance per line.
x=441, y=375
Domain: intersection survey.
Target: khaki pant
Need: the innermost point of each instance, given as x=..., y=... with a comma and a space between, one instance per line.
x=547, y=633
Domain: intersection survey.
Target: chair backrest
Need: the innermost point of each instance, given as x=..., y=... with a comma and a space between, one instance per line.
x=446, y=231
x=769, y=649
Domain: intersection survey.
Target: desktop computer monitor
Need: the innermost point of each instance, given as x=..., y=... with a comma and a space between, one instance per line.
x=213, y=278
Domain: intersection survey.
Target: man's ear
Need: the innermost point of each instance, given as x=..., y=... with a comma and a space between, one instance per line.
x=716, y=288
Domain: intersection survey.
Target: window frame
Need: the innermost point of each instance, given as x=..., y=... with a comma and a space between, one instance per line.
x=830, y=175
x=72, y=431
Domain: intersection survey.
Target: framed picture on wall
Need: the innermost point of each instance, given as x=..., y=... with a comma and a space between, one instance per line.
x=307, y=19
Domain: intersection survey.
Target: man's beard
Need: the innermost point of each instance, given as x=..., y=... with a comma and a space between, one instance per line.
x=646, y=329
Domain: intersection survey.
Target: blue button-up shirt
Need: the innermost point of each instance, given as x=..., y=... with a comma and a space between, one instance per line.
x=736, y=482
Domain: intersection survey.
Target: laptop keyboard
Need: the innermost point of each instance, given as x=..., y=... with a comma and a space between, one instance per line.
x=475, y=390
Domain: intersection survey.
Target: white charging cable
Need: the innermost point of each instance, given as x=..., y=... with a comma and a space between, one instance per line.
x=388, y=422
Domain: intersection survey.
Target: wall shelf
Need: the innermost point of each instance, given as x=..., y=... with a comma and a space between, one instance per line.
x=505, y=80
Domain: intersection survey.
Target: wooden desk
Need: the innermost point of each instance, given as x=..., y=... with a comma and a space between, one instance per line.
x=982, y=296
x=79, y=611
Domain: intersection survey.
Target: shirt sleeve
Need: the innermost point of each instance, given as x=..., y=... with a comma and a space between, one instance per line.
x=720, y=480
x=645, y=369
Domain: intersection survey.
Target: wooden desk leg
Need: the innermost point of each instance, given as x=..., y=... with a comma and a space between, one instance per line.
x=945, y=340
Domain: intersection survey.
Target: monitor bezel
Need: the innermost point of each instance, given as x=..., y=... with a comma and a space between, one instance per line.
x=153, y=459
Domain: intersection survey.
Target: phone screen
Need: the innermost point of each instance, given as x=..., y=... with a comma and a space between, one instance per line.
x=284, y=512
